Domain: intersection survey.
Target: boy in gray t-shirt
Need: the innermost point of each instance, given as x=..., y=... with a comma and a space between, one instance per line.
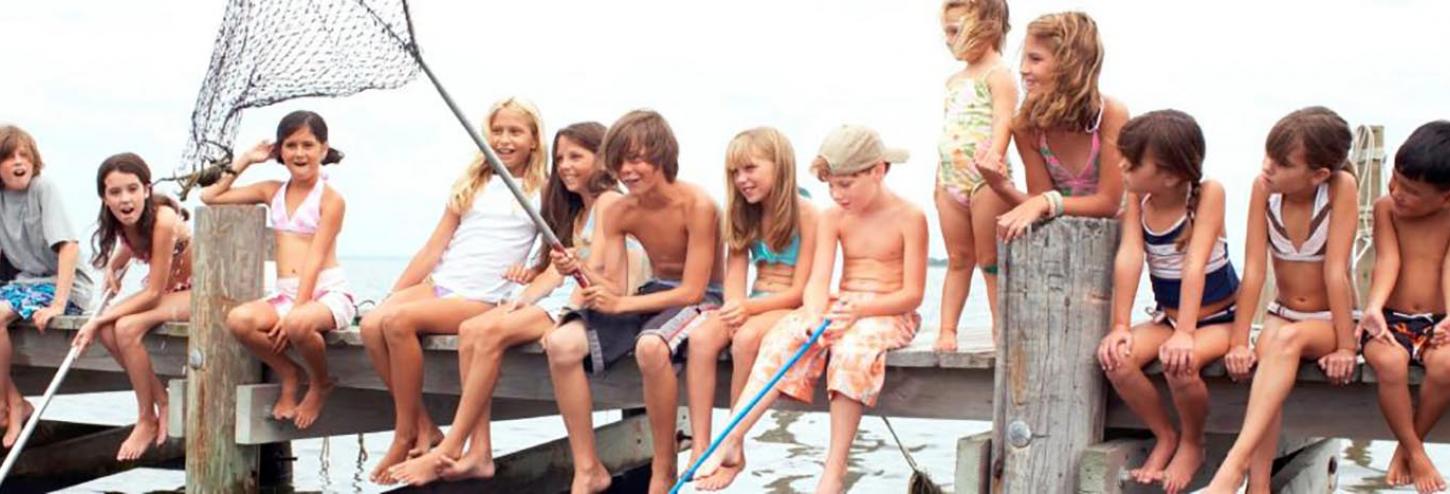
x=37, y=239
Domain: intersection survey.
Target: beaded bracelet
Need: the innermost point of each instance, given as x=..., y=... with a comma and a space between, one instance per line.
x=1054, y=203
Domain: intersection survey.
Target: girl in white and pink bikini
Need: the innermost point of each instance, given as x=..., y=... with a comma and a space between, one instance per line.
x=311, y=294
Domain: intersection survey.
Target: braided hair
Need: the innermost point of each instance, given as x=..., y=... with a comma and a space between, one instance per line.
x=1176, y=143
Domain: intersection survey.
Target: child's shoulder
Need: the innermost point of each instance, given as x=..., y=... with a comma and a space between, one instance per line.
x=1343, y=182
x=905, y=209
x=1115, y=112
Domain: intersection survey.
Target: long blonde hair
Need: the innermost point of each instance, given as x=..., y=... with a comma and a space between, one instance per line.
x=478, y=173
x=745, y=222
x=1073, y=101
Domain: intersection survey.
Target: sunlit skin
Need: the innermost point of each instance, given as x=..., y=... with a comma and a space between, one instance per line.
x=1183, y=349
x=882, y=243
x=16, y=173
x=391, y=332
x=741, y=323
x=485, y=337
x=1301, y=286
x=1072, y=146
x=257, y=324
x=1409, y=277
x=122, y=326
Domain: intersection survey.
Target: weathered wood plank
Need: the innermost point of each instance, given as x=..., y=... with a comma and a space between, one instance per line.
x=228, y=258
x=974, y=464
x=90, y=455
x=1055, y=306
x=1105, y=466
x=356, y=411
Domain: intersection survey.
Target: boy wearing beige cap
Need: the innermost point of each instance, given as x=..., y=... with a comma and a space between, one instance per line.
x=883, y=243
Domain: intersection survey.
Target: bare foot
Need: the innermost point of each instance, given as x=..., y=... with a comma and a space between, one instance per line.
x=1227, y=480
x=831, y=484
x=946, y=341
x=661, y=480
x=426, y=440
x=418, y=471
x=1427, y=478
x=723, y=466
x=161, y=418
x=590, y=481
x=397, y=452
x=142, y=435
x=1180, y=471
x=311, y=406
x=472, y=466
x=1152, y=468
x=16, y=421
x=1399, y=472
x=286, y=406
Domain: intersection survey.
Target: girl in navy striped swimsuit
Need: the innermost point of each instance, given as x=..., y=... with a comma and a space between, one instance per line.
x=1173, y=220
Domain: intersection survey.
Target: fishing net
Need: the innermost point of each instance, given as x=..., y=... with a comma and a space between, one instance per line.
x=269, y=51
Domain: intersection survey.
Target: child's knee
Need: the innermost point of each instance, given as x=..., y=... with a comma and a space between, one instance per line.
x=565, y=347
x=652, y=353
x=130, y=330
x=1437, y=365
x=243, y=319
x=371, y=325
x=960, y=257
x=298, y=330
x=744, y=348
x=1289, y=337
x=1183, y=380
x=399, y=325
x=7, y=314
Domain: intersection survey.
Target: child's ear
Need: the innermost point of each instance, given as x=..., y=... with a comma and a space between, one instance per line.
x=1321, y=174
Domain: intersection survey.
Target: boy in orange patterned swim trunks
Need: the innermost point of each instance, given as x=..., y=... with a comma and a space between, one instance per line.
x=883, y=247
x=1404, y=319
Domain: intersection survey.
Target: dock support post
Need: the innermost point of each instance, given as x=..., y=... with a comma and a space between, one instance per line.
x=229, y=254
x=1049, y=392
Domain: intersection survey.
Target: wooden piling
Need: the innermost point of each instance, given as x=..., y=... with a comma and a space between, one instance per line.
x=1055, y=307
x=229, y=254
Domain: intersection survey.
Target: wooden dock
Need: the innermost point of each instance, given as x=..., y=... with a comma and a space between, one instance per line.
x=1057, y=426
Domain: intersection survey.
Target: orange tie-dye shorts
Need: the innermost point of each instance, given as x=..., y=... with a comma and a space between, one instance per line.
x=853, y=359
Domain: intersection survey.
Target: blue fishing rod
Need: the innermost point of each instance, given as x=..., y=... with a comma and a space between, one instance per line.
x=734, y=421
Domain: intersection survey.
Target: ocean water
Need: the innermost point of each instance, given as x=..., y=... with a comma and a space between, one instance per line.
x=785, y=451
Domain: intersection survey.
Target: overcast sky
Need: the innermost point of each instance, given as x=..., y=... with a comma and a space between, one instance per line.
x=92, y=78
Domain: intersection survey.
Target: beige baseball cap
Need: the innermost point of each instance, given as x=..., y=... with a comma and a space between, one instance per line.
x=852, y=148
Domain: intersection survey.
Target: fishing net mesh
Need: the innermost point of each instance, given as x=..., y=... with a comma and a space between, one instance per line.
x=270, y=51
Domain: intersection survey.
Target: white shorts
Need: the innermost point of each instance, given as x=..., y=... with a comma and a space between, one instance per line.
x=330, y=290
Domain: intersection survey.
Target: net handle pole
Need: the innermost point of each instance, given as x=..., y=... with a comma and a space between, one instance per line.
x=499, y=169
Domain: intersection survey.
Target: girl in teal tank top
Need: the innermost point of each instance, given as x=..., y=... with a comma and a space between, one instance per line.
x=769, y=224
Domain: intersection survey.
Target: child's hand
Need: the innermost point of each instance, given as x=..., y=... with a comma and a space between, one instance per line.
x=1014, y=223
x=509, y=306
x=83, y=337
x=113, y=281
x=1441, y=333
x=564, y=261
x=41, y=317
x=520, y=274
x=1373, y=323
x=732, y=314
x=277, y=337
x=257, y=154
x=992, y=169
x=1177, y=354
x=842, y=315
x=1116, y=349
x=602, y=299
x=1240, y=362
x=1338, y=365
